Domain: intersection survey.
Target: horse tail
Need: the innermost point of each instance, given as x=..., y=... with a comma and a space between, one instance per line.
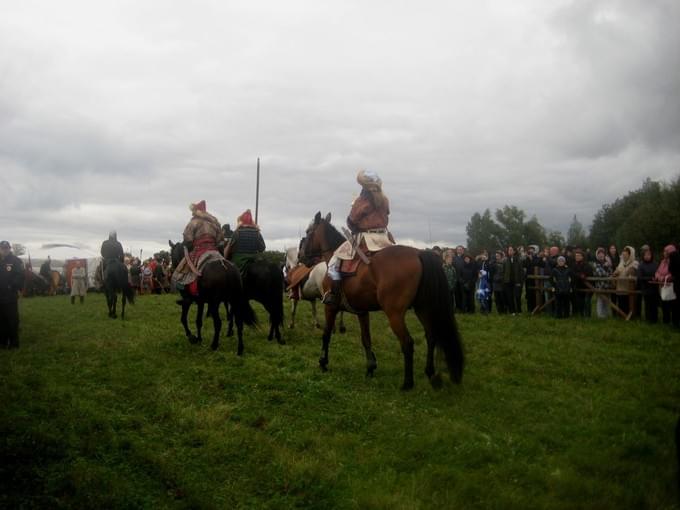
x=239, y=300
x=277, y=286
x=434, y=297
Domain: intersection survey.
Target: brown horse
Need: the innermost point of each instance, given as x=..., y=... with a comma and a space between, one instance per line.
x=55, y=283
x=397, y=278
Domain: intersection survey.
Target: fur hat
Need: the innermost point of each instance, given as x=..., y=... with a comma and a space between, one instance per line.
x=246, y=219
x=369, y=180
x=6, y=245
x=199, y=206
x=561, y=259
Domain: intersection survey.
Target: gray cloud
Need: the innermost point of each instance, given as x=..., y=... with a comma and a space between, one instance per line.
x=116, y=117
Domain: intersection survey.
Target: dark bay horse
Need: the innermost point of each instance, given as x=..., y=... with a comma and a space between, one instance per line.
x=398, y=278
x=115, y=281
x=263, y=282
x=220, y=282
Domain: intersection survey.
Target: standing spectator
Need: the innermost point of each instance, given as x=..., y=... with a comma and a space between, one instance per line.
x=532, y=265
x=497, y=272
x=674, y=269
x=614, y=258
x=468, y=279
x=11, y=283
x=626, y=269
x=512, y=281
x=78, y=282
x=561, y=281
x=136, y=275
x=483, y=292
x=670, y=309
x=649, y=292
x=580, y=298
x=458, y=264
x=602, y=269
x=451, y=276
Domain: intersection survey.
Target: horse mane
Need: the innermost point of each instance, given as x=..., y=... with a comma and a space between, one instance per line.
x=332, y=235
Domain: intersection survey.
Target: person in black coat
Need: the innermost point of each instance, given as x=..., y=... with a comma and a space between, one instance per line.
x=11, y=283
x=649, y=292
x=581, y=269
x=458, y=265
x=561, y=278
x=513, y=278
x=468, y=279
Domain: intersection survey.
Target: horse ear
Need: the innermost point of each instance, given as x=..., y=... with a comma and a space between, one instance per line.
x=170, y=243
x=317, y=217
x=328, y=218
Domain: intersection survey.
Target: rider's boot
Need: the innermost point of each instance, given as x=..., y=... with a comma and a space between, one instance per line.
x=332, y=297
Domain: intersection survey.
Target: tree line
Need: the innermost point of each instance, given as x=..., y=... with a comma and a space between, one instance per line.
x=649, y=215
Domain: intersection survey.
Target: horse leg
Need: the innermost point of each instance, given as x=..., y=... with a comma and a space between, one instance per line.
x=199, y=322
x=114, y=300
x=230, y=320
x=122, y=311
x=398, y=326
x=425, y=320
x=214, y=310
x=239, y=335
x=317, y=325
x=341, y=326
x=371, y=363
x=186, y=304
x=331, y=312
x=293, y=308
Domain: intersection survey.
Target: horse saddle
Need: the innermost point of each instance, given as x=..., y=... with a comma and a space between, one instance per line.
x=349, y=268
x=297, y=275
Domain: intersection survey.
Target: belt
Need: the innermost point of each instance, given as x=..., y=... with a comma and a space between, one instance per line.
x=375, y=231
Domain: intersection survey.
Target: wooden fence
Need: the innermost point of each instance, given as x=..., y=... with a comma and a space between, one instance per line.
x=541, y=289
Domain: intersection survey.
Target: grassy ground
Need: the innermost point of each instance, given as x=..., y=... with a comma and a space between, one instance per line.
x=551, y=414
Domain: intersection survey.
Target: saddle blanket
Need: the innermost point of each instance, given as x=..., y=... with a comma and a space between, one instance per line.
x=184, y=276
x=296, y=275
x=371, y=241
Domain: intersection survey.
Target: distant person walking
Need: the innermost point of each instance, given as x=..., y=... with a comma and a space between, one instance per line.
x=11, y=283
x=78, y=283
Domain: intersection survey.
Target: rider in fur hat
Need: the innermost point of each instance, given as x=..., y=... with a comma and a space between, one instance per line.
x=368, y=221
x=246, y=242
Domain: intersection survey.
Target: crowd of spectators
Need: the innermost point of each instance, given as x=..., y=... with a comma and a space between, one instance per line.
x=151, y=276
x=569, y=275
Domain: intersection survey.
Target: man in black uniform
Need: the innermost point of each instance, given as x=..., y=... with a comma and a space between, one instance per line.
x=11, y=282
x=111, y=250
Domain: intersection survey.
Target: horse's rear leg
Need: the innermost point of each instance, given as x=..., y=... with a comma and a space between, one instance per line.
x=214, y=310
x=230, y=319
x=331, y=312
x=114, y=302
x=122, y=311
x=371, y=363
x=317, y=324
x=341, y=326
x=398, y=325
x=426, y=321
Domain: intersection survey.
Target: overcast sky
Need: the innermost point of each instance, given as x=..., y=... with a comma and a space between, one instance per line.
x=118, y=115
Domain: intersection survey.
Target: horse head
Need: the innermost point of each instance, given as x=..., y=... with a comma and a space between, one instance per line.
x=176, y=252
x=321, y=238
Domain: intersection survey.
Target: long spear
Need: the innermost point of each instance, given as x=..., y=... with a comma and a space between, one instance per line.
x=257, y=191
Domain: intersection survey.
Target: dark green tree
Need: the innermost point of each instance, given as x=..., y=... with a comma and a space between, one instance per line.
x=555, y=238
x=483, y=233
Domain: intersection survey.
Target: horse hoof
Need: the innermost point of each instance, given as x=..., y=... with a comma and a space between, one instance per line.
x=436, y=381
x=343, y=329
x=270, y=338
x=369, y=372
x=318, y=326
x=192, y=339
x=291, y=326
x=214, y=346
x=230, y=334
x=281, y=341
x=323, y=365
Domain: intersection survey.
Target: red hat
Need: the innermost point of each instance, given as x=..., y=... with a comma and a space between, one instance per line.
x=246, y=218
x=200, y=206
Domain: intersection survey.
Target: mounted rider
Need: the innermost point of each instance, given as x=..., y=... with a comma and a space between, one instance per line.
x=202, y=234
x=111, y=250
x=246, y=242
x=367, y=221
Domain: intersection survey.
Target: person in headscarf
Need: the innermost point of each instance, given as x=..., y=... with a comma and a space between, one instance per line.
x=626, y=270
x=246, y=242
x=367, y=220
x=670, y=309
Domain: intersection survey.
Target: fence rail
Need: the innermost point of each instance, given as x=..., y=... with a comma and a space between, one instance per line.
x=541, y=290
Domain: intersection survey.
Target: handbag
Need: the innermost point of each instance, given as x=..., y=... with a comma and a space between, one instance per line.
x=666, y=290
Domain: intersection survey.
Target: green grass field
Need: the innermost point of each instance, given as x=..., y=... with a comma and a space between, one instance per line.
x=98, y=413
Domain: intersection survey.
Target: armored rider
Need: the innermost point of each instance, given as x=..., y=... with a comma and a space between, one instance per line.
x=246, y=242
x=367, y=221
x=111, y=250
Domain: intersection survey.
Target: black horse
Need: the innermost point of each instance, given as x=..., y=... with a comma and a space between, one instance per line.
x=220, y=282
x=263, y=282
x=115, y=281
